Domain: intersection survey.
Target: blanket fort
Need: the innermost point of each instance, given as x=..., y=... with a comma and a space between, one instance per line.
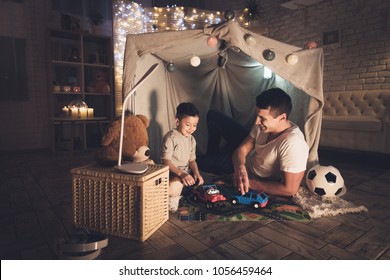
x=228, y=78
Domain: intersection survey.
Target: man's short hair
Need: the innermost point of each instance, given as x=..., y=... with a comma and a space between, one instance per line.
x=276, y=100
x=186, y=109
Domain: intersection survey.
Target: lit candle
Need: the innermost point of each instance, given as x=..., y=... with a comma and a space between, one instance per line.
x=75, y=113
x=90, y=113
x=76, y=89
x=83, y=113
x=65, y=112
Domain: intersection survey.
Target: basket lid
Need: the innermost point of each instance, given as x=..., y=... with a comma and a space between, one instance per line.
x=132, y=168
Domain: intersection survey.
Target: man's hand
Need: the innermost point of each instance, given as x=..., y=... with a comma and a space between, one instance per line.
x=240, y=179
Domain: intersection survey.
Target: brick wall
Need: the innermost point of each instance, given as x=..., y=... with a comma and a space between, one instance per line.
x=362, y=58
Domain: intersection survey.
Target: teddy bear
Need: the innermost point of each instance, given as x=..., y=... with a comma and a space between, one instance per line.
x=100, y=83
x=135, y=141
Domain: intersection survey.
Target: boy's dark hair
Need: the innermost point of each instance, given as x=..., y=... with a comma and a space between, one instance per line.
x=276, y=99
x=186, y=109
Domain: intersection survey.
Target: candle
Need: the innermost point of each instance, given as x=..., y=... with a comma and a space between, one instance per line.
x=83, y=113
x=74, y=113
x=65, y=112
x=76, y=89
x=90, y=113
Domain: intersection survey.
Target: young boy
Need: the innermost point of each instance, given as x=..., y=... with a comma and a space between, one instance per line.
x=178, y=152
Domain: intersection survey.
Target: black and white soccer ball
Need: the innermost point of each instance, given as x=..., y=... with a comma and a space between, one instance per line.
x=325, y=181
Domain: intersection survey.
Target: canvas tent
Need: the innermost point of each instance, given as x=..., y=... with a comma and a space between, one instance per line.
x=230, y=88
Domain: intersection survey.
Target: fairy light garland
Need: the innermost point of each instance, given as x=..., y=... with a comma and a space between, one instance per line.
x=131, y=18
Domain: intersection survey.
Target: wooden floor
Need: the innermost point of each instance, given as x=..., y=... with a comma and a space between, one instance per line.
x=36, y=209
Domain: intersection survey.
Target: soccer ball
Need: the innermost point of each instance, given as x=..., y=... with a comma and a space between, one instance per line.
x=326, y=181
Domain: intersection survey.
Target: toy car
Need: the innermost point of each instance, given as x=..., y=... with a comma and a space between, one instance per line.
x=251, y=198
x=209, y=194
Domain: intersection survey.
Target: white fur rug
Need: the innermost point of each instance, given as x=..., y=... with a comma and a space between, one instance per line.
x=317, y=207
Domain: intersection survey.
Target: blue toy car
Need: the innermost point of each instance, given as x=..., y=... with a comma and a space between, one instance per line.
x=254, y=199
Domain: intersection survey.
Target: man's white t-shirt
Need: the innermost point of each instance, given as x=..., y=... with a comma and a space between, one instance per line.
x=288, y=152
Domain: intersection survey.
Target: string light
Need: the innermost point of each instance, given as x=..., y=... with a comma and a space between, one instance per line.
x=131, y=18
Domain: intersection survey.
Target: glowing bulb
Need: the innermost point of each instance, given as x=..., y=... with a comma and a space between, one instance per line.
x=195, y=61
x=212, y=41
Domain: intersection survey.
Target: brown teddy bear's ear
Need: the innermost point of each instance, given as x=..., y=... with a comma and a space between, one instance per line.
x=144, y=119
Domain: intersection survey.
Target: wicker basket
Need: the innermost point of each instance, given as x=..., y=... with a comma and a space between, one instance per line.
x=124, y=205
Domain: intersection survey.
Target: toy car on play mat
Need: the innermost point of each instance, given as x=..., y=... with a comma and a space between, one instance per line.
x=209, y=194
x=254, y=199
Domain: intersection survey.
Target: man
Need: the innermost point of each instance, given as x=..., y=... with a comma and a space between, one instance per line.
x=273, y=157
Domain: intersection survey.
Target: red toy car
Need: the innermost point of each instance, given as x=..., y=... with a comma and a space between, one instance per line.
x=209, y=194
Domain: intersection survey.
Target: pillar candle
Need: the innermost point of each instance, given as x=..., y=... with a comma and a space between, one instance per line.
x=90, y=113
x=75, y=113
x=65, y=112
x=83, y=113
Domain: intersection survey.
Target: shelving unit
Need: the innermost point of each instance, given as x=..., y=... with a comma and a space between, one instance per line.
x=75, y=60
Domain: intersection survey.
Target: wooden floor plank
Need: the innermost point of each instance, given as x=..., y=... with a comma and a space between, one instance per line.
x=174, y=252
x=159, y=240
x=324, y=224
x=231, y=252
x=170, y=229
x=191, y=244
x=271, y=251
x=371, y=243
x=298, y=235
x=201, y=228
x=339, y=253
x=306, y=228
x=293, y=256
x=342, y=235
x=230, y=231
x=249, y=242
x=210, y=254
x=291, y=244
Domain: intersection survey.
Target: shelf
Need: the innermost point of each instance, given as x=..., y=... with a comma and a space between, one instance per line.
x=66, y=63
x=75, y=60
x=80, y=120
x=97, y=65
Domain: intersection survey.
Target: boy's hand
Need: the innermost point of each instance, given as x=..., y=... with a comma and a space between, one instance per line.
x=198, y=180
x=187, y=179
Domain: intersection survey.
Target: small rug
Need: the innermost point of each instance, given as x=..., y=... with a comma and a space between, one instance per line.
x=317, y=207
x=278, y=208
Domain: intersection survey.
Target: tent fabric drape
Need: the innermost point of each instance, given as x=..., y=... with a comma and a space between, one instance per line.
x=230, y=89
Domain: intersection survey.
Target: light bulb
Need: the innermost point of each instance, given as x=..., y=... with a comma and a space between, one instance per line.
x=195, y=61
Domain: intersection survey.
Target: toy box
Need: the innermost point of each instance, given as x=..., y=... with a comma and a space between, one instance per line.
x=124, y=205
